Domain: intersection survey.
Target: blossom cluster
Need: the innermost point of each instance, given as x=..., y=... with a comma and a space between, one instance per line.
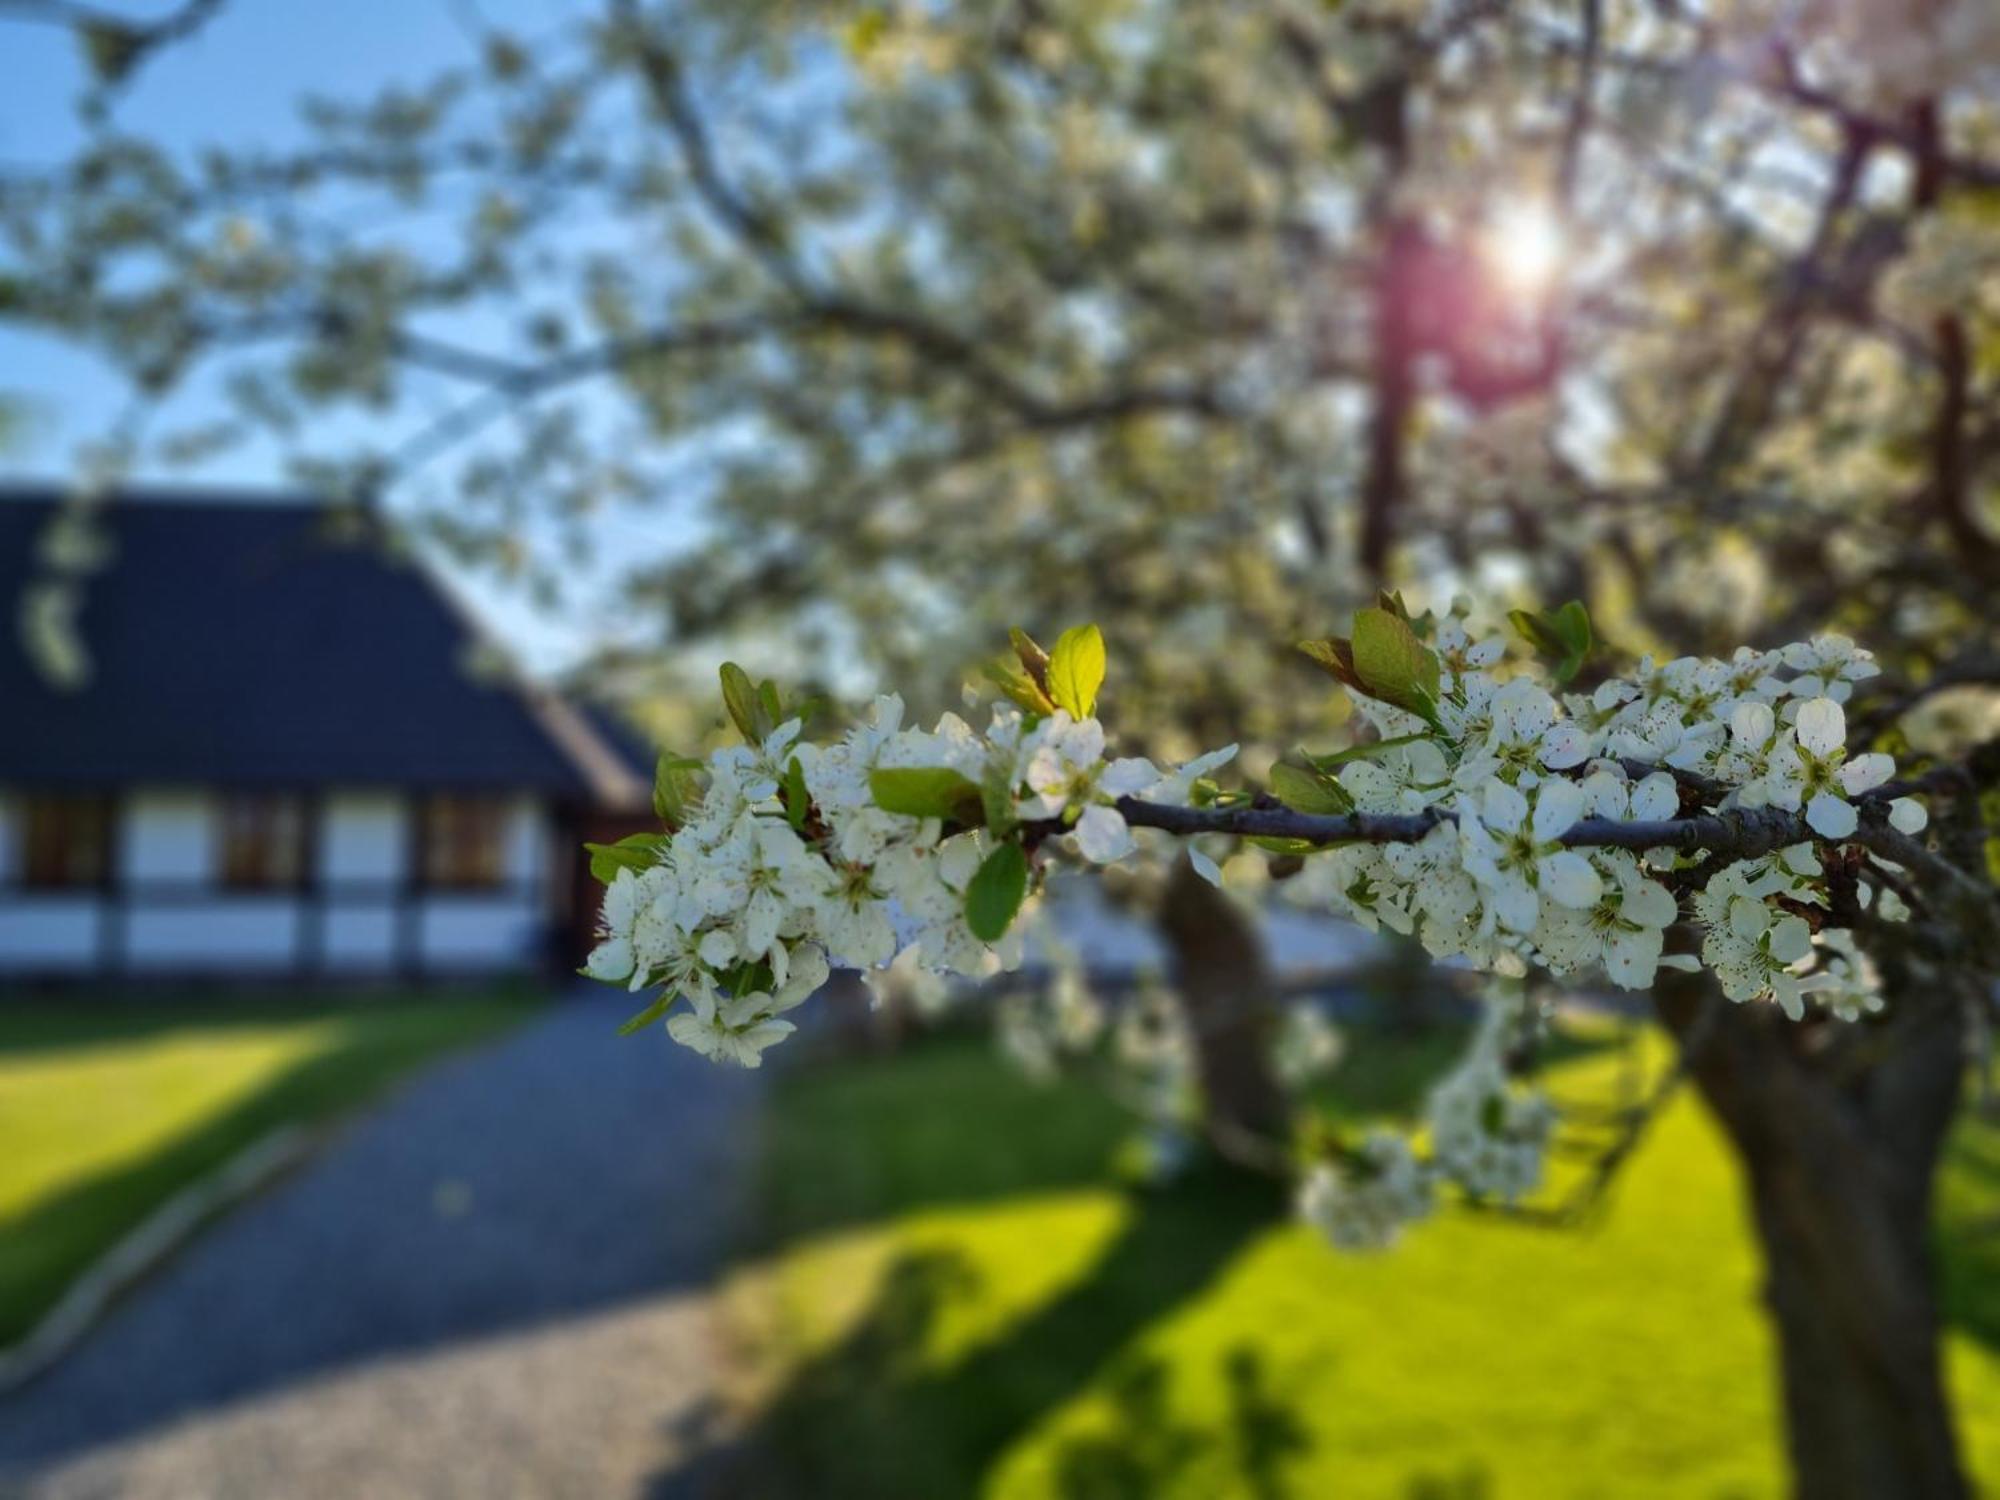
x=1526, y=828
x=1487, y=1134
x=787, y=864
x=1146, y=1044
x=1511, y=768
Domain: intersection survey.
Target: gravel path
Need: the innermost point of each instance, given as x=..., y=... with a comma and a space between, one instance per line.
x=494, y=1286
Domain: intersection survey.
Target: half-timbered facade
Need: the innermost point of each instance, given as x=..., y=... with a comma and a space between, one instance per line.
x=291, y=755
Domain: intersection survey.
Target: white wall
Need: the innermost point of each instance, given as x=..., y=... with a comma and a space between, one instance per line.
x=169, y=838
x=478, y=932
x=166, y=836
x=362, y=837
x=358, y=937
x=231, y=933
x=54, y=933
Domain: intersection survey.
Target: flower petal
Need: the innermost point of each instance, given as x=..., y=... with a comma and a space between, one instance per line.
x=1516, y=905
x=1907, y=815
x=1791, y=939
x=610, y=960
x=1831, y=817
x=1128, y=776
x=1571, y=879
x=1558, y=806
x=1865, y=772
x=1631, y=959
x=1821, y=726
x=1563, y=746
x=1649, y=904
x=1101, y=835
x=1751, y=725
x=1748, y=919
x=1502, y=807
x=1656, y=797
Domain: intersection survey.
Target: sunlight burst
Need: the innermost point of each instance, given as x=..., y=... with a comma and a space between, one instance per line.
x=1525, y=245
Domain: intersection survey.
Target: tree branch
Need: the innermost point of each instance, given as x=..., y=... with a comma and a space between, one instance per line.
x=1741, y=833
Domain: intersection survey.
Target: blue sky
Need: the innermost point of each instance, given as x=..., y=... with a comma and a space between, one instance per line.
x=237, y=82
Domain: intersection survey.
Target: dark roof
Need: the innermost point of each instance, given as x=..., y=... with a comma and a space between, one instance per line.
x=242, y=641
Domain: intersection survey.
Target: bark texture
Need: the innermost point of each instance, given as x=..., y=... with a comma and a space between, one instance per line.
x=1225, y=985
x=1840, y=1130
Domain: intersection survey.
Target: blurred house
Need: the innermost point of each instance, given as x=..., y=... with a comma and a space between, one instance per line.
x=291, y=755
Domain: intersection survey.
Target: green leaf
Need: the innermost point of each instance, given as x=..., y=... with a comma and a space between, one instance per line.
x=649, y=1015
x=1336, y=657
x=1337, y=758
x=798, y=801
x=112, y=47
x=865, y=32
x=1563, y=639
x=634, y=852
x=1302, y=791
x=739, y=696
x=747, y=978
x=771, y=708
x=1076, y=670
x=672, y=788
x=1021, y=689
x=1285, y=846
x=995, y=893
x=996, y=792
x=1572, y=623
x=1536, y=631
x=927, y=792
x=1393, y=665
x=1034, y=660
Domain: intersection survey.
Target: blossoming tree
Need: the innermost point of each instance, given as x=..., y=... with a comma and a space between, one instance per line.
x=1690, y=816
x=1205, y=320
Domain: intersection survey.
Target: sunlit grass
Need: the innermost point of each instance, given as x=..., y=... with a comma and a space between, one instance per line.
x=107, y=1111
x=934, y=1323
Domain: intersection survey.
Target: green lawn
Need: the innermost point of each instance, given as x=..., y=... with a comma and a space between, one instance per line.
x=957, y=1297
x=107, y=1109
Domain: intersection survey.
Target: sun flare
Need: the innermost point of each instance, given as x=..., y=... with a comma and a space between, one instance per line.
x=1525, y=245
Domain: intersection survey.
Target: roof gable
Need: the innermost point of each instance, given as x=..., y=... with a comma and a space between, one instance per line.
x=242, y=642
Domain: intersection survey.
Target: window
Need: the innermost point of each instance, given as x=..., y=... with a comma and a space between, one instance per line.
x=68, y=844
x=464, y=842
x=263, y=842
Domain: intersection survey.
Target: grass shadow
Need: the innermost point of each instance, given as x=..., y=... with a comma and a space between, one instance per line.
x=871, y=1139
x=1968, y=1228
x=872, y=1418
x=874, y=1140
x=80, y=1019
x=1146, y=1448
x=44, y=1247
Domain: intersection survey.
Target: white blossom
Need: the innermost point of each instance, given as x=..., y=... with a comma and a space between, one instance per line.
x=740, y=911
x=1622, y=931
x=1363, y=1204
x=737, y=1031
x=1513, y=850
x=1101, y=835
x=1809, y=768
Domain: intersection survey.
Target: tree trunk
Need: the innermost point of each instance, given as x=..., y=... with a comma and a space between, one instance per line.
x=1226, y=990
x=1840, y=1130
